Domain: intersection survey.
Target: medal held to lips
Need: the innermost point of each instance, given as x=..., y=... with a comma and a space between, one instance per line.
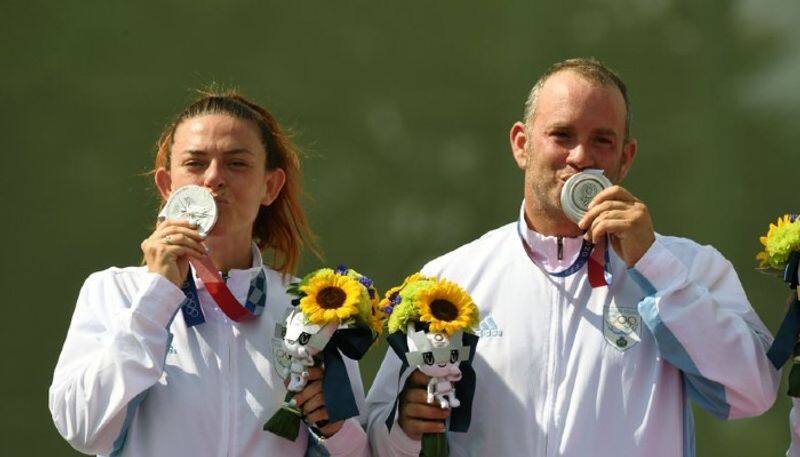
x=579, y=190
x=194, y=204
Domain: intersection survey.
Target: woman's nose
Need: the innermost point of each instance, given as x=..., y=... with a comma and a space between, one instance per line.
x=213, y=177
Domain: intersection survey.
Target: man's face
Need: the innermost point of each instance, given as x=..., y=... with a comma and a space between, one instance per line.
x=577, y=124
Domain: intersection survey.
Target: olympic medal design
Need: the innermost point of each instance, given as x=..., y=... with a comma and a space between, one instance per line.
x=579, y=190
x=194, y=204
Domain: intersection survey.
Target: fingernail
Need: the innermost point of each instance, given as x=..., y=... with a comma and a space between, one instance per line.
x=304, y=375
x=292, y=402
x=208, y=249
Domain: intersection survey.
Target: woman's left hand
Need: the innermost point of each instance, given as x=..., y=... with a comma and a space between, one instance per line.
x=311, y=402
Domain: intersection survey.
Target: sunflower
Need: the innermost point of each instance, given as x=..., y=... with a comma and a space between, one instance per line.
x=392, y=295
x=446, y=307
x=330, y=296
x=779, y=242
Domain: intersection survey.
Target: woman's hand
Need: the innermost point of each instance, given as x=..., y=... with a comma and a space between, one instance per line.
x=169, y=247
x=311, y=402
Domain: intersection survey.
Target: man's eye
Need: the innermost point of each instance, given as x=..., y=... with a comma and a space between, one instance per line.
x=193, y=163
x=238, y=164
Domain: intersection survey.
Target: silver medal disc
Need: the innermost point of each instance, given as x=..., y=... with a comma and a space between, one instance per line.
x=194, y=204
x=579, y=190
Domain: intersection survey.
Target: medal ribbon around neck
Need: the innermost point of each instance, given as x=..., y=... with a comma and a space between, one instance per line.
x=599, y=270
x=236, y=311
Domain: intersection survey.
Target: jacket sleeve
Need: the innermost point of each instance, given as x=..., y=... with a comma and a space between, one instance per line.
x=704, y=325
x=114, y=351
x=381, y=398
x=351, y=439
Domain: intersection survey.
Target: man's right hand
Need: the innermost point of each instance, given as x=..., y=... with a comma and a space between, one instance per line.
x=417, y=416
x=169, y=247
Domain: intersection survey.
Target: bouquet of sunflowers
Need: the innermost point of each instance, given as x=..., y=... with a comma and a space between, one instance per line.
x=429, y=323
x=781, y=255
x=334, y=311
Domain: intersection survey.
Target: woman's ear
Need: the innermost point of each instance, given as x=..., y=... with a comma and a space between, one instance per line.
x=163, y=182
x=275, y=179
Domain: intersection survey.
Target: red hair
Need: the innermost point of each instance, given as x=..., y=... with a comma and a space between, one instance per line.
x=281, y=226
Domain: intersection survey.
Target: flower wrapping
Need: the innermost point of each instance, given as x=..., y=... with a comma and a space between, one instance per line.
x=781, y=255
x=429, y=323
x=334, y=312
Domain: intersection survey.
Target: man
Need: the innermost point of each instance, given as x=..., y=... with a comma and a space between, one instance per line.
x=567, y=369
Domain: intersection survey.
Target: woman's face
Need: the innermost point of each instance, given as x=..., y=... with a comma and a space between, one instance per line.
x=226, y=155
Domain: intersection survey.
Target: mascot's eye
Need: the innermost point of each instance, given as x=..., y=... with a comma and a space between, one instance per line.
x=304, y=337
x=427, y=357
x=453, y=355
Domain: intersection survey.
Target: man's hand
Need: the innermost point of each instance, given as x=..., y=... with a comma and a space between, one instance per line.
x=311, y=402
x=617, y=213
x=417, y=416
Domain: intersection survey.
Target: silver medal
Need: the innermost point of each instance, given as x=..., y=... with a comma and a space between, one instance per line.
x=579, y=190
x=194, y=204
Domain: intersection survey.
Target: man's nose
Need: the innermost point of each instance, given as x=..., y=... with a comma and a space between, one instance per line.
x=213, y=177
x=580, y=157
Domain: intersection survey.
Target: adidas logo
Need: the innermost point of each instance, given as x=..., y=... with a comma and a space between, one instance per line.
x=488, y=328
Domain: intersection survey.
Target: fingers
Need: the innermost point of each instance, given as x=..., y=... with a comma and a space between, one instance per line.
x=613, y=223
x=168, y=248
x=416, y=416
x=315, y=373
x=311, y=389
x=319, y=414
x=618, y=193
x=426, y=412
x=415, y=428
x=417, y=379
x=599, y=209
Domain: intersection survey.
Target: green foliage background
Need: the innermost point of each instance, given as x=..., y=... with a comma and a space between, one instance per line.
x=403, y=110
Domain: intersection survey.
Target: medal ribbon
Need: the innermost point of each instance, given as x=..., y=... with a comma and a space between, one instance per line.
x=238, y=312
x=599, y=270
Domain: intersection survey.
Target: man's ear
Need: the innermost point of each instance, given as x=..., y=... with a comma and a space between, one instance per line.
x=628, y=153
x=275, y=179
x=163, y=182
x=519, y=139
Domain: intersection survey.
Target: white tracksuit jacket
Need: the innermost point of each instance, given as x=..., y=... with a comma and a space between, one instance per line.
x=557, y=377
x=794, y=429
x=133, y=380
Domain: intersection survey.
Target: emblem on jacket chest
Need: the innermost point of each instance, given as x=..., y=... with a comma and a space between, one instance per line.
x=622, y=326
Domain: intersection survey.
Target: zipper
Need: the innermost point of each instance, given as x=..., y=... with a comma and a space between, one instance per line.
x=560, y=242
x=553, y=368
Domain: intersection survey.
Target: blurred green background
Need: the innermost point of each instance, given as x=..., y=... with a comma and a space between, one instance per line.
x=403, y=110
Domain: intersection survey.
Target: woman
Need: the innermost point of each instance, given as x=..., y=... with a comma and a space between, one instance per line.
x=135, y=377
